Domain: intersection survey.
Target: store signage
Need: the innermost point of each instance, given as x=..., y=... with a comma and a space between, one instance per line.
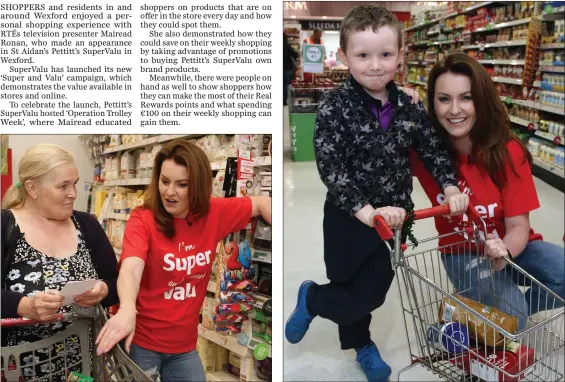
x=296, y=5
x=321, y=24
x=313, y=58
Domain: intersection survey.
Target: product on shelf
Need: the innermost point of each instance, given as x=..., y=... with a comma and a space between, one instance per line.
x=207, y=352
x=234, y=364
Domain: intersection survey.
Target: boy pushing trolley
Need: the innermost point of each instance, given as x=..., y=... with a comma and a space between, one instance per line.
x=364, y=131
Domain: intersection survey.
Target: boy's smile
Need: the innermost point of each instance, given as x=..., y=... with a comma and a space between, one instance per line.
x=373, y=58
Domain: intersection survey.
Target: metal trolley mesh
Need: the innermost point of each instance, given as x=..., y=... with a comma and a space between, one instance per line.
x=423, y=283
x=113, y=366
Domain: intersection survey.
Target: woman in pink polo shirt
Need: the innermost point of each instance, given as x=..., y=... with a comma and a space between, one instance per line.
x=168, y=250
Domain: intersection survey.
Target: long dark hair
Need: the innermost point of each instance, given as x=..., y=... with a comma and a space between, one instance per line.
x=491, y=131
x=195, y=160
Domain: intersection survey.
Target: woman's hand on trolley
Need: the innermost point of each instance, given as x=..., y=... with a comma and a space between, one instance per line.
x=496, y=250
x=458, y=202
x=41, y=306
x=93, y=296
x=121, y=325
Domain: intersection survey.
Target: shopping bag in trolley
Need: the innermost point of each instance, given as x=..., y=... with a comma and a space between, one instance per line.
x=112, y=366
x=459, y=328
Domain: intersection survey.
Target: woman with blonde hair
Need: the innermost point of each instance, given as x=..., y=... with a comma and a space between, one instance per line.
x=168, y=250
x=45, y=244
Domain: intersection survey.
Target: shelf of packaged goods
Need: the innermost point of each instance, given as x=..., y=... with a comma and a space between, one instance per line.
x=253, y=342
x=142, y=143
x=504, y=80
x=260, y=299
x=444, y=42
x=261, y=256
x=219, y=376
x=556, y=45
x=546, y=86
x=521, y=121
x=534, y=105
x=499, y=44
x=421, y=25
x=502, y=62
x=433, y=33
x=549, y=167
x=218, y=165
x=420, y=63
x=550, y=137
x=447, y=30
x=419, y=43
x=504, y=25
x=262, y=161
x=419, y=83
x=127, y=182
x=556, y=14
x=551, y=68
x=225, y=341
x=211, y=286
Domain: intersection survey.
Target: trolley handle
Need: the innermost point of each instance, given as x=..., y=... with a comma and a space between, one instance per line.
x=71, y=316
x=385, y=232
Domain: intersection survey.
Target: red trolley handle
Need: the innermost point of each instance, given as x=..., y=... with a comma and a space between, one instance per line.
x=69, y=316
x=385, y=232
x=11, y=322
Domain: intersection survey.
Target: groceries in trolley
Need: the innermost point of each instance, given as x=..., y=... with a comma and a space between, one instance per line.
x=496, y=364
x=451, y=337
x=453, y=311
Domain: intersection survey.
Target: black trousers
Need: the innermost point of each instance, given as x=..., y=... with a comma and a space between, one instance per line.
x=359, y=281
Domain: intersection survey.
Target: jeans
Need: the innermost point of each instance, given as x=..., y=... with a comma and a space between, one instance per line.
x=287, y=77
x=170, y=367
x=542, y=260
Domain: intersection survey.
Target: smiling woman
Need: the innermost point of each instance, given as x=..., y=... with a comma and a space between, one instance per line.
x=38, y=208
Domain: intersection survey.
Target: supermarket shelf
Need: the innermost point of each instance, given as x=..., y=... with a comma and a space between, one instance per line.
x=504, y=80
x=552, y=69
x=453, y=14
x=261, y=256
x=228, y=342
x=546, y=86
x=128, y=182
x=551, y=109
x=556, y=45
x=520, y=121
x=144, y=142
x=550, y=137
x=260, y=299
x=419, y=43
x=444, y=42
x=422, y=63
x=499, y=44
x=504, y=25
x=548, y=173
x=218, y=165
x=221, y=376
x=254, y=342
x=262, y=161
x=419, y=83
x=502, y=62
x=432, y=33
x=418, y=26
x=457, y=27
x=535, y=105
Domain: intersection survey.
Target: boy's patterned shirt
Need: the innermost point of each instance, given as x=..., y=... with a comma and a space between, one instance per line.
x=362, y=164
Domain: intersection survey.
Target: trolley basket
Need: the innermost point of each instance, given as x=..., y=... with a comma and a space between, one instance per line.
x=512, y=334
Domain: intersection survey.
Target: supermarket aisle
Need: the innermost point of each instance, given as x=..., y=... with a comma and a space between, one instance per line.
x=319, y=357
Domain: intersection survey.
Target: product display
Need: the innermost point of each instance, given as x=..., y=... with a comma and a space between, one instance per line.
x=522, y=51
x=124, y=167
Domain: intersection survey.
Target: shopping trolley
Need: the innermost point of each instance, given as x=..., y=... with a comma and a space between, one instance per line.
x=533, y=351
x=112, y=366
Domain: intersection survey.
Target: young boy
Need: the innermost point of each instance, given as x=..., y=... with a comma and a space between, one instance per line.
x=364, y=131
